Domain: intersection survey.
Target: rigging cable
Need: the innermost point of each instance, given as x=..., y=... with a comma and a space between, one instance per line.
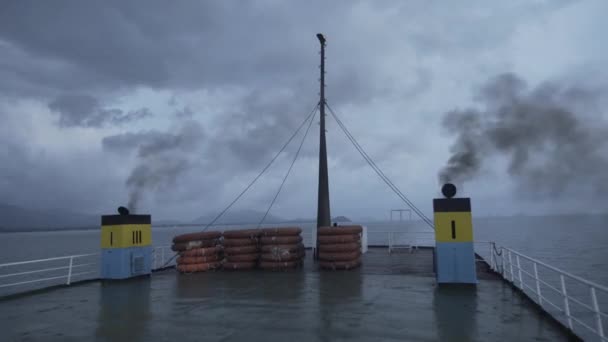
x=289, y=170
x=378, y=171
x=385, y=178
x=308, y=117
x=263, y=170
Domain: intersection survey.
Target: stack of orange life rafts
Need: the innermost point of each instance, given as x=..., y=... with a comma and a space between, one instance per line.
x=198, y=252
x=281, y=248
x=339, y=247
x=241, y=250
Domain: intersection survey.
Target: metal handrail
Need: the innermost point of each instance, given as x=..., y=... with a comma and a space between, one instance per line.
x=569, y=275
x=159, y=263
x=512, y=270
x=43, y=270
x=48, y=259
x=44, y=279
x=159, y=257
x=68, y=276
x=392, y=241
x=388, y=233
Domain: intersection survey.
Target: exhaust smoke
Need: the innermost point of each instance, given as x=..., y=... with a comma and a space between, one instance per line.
x=553, y=136
x=162, y=157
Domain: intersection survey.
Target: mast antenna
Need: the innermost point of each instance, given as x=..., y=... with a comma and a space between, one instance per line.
x=323, y=213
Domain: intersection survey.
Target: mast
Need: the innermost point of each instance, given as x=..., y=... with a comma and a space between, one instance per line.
x=323, y=214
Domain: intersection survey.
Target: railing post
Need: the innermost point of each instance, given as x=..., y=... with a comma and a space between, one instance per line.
x=540, y=297
x=153, y=258
x=511, y=266
x=492, y=256
x=566, y=304
x=390, y=242
x=502, y=253
x=70, y=271
x=521, y=280
x=598, y=314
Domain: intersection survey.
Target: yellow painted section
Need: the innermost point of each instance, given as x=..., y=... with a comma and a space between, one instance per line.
x=463, y=227
x=126, y=235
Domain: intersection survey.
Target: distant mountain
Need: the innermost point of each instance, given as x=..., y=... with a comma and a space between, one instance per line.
x=341, y=219
x=165, y=222
x=368, y=219
x=14, y=218
x=335, y=219
x=239, y=217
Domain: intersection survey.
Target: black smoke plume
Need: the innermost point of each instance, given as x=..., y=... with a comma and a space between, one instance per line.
x=553, y=136
x=162, y=157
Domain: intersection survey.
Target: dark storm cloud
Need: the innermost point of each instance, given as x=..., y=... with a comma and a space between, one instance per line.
x=77, y=110
x=127, y=142
x=116, y=43
x=112, y=46
x=184, y=113
x=97, y=39
x=552, y=135
x=148, y=143
x=267, y=49
x=132, y=115
x=162, y=157
x=260, y=126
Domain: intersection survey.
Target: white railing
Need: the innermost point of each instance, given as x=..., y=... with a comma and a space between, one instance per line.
x=22, y=276
x=162, y=256
x=576, y=306
x=395, y=240
x=27, y=275
x=392, y=239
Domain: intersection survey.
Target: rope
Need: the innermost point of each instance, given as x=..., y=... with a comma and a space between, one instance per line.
x=263, y=170
x=289, y=170
x=378, y=171
x=495, y=250
x=499, y=268
x=168, y=261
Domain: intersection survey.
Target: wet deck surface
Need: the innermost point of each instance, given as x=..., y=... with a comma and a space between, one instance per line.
x=391, y=298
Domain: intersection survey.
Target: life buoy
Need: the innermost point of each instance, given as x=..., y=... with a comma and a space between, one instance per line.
x=280, y=240
x=197, y=236
x=201, y=251
x=246, y=265
x=185, y=246
x=279, y=265
x=242, y=257
x=281, y=256
x=190, y=268
x=238, y=242
x=340, y=230
x=284, y=231
x=197, y=259
x=340, y=265
x=240, y=250
x=342, y=256
x=276, y=248
x=334, y=239
x=340, y=247
x=242, y=233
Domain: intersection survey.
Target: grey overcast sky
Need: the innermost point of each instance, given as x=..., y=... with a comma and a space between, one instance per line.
x=194, y=97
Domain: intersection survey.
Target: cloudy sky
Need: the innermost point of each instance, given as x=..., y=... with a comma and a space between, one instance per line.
x=188, y=100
